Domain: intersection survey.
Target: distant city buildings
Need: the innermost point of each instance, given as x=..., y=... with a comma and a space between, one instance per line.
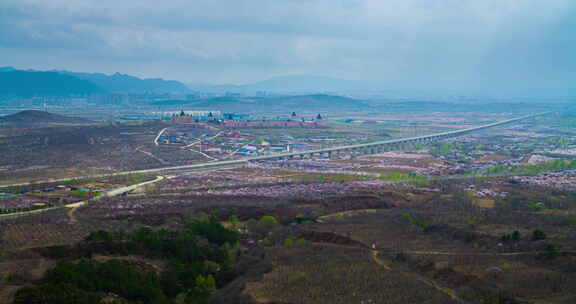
x=233, y=94
x=111, y=99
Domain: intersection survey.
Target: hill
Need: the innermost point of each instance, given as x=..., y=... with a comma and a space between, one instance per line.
x=316, y=102
x=307, y=83
x=320, y=102
x=121, y=83
x=294, y=84
x=30, y=83
x=34, y=117
x=62, y=83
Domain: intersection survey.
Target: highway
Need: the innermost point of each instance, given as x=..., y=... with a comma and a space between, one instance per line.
x=377, y=147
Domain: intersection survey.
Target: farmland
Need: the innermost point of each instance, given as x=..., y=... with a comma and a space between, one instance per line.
x=485, y=218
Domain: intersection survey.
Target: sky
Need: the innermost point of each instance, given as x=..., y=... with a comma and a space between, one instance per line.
x=395, y=43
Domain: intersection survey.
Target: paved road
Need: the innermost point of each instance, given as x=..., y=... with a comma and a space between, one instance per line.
x=158, y=136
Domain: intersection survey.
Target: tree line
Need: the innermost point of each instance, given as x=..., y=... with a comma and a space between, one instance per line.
x=199, y=259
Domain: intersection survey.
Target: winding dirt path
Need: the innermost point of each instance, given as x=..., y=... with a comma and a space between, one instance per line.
x=351, y=212
x=375, y=254
x=375, y=257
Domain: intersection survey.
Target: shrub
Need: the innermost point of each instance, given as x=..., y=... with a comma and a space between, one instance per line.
x=551, y=252
x=511, y=237
x=415, y=221
x=538, y=235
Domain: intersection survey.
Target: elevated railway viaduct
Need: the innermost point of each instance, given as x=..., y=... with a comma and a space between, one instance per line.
x=388, y=145
x=351, y=150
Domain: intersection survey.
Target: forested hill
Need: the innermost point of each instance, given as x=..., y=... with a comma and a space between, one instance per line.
x=122, y=83
x=30, y=83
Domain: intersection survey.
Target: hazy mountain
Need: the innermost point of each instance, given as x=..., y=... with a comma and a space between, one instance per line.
x=307, y=83
x=30, y=83
x=315, y=101
x=217, y=88
x=121, y=83
x=7, y=69
x=290, y=84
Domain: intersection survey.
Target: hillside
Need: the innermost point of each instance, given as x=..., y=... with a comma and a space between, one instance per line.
x=62, y=83
x=34, y=117
x=317, y=101
x=121, y=83
x=30, y=83
x=284, y=103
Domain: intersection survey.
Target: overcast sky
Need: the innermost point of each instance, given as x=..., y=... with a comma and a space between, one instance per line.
x=399, y=43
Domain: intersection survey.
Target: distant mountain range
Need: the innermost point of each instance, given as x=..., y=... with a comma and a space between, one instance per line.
x=121, y=83
x=63, y=83
x=30, y=83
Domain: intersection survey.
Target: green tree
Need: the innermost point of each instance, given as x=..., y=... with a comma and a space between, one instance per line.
x=212, y=230
x=55, y=294
x=469, y=195
x=234, y=220
x=136, y=178
x=538, y=235
x=551, y=252
x=268, y=220
x=289, y=242
x=80, y=193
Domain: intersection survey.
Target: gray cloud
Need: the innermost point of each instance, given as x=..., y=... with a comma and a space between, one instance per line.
x=408, y=43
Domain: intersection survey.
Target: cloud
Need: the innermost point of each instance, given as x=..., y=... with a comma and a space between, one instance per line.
x=401, y=42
